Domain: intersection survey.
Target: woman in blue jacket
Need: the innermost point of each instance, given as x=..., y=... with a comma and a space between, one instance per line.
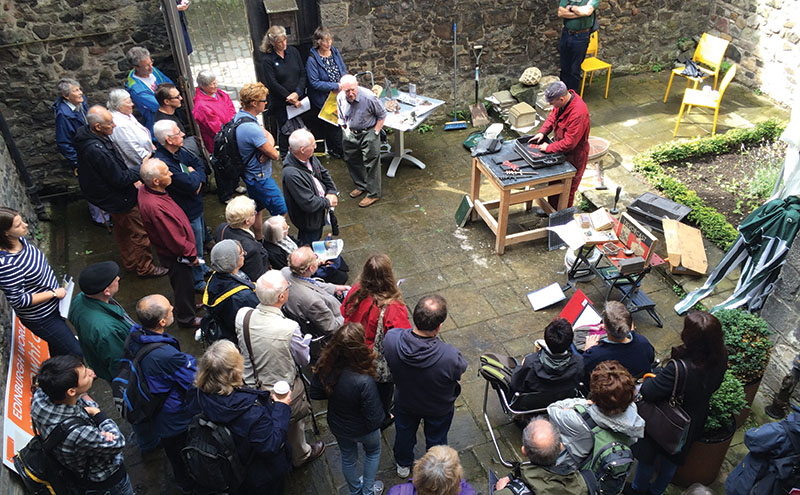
x=324, y=68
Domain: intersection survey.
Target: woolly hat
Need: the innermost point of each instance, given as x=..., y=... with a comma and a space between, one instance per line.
x=225, y=256
x=96, y=277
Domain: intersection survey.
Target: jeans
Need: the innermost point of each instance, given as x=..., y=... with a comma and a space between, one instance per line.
x=54, y=330
x=372, y=455
x=644, y=473
x=406, y=424
x=124, y=487
x=306, y=237
x=572, y=51
x=199, y=271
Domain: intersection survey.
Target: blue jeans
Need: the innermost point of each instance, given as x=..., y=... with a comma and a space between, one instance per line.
x=307, y=237
x=405, y=437
x=54, y=330
x=372, y=455
x=265, y=192
x=124, y=487
x=572, y=50
x=199, y=271
x=644, y=473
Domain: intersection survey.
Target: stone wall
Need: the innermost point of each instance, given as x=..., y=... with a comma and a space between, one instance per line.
x=765, y=41
x=411, y=41
x=43, y=40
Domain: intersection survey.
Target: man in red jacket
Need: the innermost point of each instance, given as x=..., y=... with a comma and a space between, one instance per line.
x=171, y=233
x=569, y=121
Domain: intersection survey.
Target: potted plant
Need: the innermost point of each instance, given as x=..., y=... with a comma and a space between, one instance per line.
x=706, y=455
x=747, y=339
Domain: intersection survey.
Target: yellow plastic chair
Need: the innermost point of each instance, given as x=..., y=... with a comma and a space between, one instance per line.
x=708, y=99
x=709, y=53
x=591, y=64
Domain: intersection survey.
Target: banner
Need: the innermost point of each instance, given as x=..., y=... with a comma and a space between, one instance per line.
x=28, y=352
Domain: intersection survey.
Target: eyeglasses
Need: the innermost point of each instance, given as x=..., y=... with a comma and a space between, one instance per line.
x=179, y=97
x=262, y=101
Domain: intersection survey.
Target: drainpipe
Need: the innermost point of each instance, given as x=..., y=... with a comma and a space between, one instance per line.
x=22, y=170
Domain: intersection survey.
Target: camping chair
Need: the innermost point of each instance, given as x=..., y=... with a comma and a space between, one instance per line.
x=496, y=370
x=709, y=52
x=708, y=99
x=591, y=64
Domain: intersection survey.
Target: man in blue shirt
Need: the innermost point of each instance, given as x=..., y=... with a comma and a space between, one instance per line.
x=257, y=149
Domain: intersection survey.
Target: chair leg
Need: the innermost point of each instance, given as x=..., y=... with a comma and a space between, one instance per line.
x=583, y=81
x=680, y=114
x=608, y=80
x=669, y=85
x=591, y=76
x=714, y=127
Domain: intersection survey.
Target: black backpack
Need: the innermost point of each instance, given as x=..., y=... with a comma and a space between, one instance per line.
x=211, y=458
x=41, y=472
x=226, y=160
x=129, y=388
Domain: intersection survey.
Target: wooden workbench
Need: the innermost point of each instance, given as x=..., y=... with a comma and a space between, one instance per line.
x=550, y=181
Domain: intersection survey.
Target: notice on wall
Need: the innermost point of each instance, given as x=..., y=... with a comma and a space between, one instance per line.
x=28, y=352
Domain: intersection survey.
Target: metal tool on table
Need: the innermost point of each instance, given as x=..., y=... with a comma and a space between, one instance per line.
x=614, y=210
x=600, y=180
x=479, y=116
x=454, y=124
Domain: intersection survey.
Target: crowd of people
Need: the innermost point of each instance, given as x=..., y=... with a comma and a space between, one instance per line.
x=269, y=299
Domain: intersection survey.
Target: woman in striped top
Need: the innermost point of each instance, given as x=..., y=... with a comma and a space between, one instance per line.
x=31, y=287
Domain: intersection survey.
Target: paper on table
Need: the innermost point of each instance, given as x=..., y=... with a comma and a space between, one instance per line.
x=293, y=111
x=546, y=296
x=570, y=233
x=63, y=304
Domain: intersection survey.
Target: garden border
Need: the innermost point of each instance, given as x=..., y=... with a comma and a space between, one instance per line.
x=711, y=223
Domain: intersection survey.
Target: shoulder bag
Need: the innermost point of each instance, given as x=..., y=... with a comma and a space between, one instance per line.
x=665, y=421
x=246, y=333
x=381, y=366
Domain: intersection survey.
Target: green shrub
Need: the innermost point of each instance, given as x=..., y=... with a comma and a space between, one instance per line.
x=747, y=339
x=726, y=402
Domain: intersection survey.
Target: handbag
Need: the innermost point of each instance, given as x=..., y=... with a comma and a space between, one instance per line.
x=665, y=421
x=381, y=366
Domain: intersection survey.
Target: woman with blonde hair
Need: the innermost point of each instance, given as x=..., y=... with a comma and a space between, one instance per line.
x=258, y=422
x=240, y=215
x=438, y=472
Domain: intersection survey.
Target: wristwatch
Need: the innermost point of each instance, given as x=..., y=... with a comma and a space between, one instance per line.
x=55, y=295
x=569, y=8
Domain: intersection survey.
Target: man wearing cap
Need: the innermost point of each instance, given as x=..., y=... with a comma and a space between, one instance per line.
x=569, y=122
x=100, y=321
x=579, y=18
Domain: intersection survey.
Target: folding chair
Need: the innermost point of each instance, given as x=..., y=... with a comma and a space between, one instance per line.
x=708, y=99
x=591, y=64
x=709, y=52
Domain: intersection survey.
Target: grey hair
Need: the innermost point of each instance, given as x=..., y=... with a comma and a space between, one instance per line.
x=270, y=286
x=555, y=90
x=150, y=310
x=64, y=86
x=698, y=489
x=205, y=77
x=542, y=441
x=136, y=54
x=273, y=228
x=95, y=116
x=300, y=138
x=116, y=97
x=163, y=129
x=348, y=79
x=149, y=171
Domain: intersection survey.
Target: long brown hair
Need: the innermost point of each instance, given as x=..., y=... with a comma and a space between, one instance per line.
x=703, y=342
x=7, y=216
x=376, y=280
x=347, y=349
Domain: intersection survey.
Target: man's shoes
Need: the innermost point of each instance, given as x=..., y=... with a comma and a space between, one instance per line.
x=364, y=203
x=335, y=154
x=199, y=306
x=158, y=271
x=377, y=488
x=403, y=471
x=241, y=189
x=193, y=323
x=356, y=193
x=317, y=448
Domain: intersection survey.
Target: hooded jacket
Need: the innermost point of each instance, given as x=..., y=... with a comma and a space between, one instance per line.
x=211, y=114
x=145, y=98
x=305, y=206
x=319, y=83
x=354, y=407
x=224, y=313
x=104, y=179
x=555, y=479
x=68, y=121
x=576, y=434
x=546, y=380
x=426, y=372
x=258, y=426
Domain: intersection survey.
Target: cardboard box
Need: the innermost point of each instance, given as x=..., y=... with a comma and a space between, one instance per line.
x=687, y=255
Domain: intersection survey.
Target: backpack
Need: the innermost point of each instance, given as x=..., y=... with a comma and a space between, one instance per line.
x=611, y=459
x=41, y=472
x=210, y=329
x=225, y=159
x=211, y=458
x=132, y=396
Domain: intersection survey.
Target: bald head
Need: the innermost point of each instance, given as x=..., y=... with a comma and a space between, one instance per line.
x=155, y=174
x=100, y=120
x=270, y=288
x=541, y=442
x=302, y=261
x=154, y=312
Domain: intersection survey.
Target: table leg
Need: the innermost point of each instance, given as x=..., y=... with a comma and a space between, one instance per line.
x=528, y=204
x=502, y=222
x=401, y=153
x=475, y=187
x=563, y=198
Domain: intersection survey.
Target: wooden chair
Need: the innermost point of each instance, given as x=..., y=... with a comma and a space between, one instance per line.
x=708, y=56
x=708, y=99
x=591, y=63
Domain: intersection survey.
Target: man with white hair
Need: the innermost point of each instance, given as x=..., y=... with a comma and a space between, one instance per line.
x=273, y=347
x=312, y=299
x=188, y=179
x=141, y=83
x=361, y=116
x=171, y=234
x=308, y=189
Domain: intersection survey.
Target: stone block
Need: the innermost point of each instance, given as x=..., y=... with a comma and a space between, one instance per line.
x=525, y=93
x=335, y=14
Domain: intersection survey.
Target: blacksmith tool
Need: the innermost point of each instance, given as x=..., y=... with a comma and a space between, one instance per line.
x=479, y=116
